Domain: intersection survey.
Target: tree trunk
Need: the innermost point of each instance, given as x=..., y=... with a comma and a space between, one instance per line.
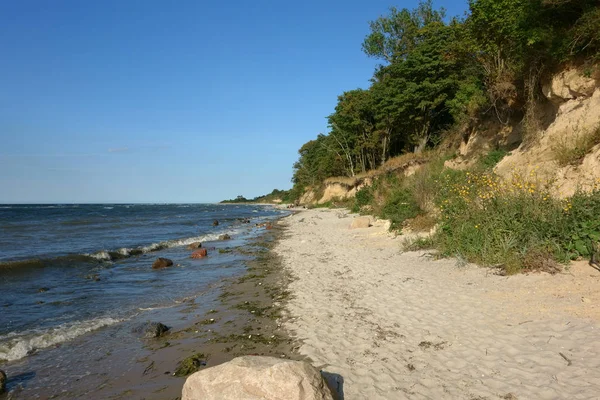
x=421, y=145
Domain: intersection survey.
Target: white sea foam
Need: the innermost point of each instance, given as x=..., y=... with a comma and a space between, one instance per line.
x=104, y=255
x=100, y=255
x=15, y=346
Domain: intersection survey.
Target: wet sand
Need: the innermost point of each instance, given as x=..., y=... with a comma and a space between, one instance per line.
x=400, y=325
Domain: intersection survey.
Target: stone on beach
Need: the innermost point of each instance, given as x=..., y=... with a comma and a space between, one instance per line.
x=199, y=253
x=257, y=378
x=194, y=246
x=152, y=330
x=361, y=222
x=162, y=263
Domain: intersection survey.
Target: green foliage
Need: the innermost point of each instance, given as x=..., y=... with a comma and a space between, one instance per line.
x=582, y=224
x=490, y=223
x=318, y=160
x=492, y=158
x=399, y=207
x=395, y=36
x=283, y=196
x=362, y=198
x=438, y=76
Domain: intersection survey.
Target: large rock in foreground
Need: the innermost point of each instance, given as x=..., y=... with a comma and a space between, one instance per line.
x=257, y=378
x=361, y=222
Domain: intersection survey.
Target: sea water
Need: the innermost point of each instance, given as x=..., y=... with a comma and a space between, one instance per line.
x=67, y=271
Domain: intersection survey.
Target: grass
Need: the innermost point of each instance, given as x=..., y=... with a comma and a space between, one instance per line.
x=491, y=159
x=514, y=225
x=570, y=150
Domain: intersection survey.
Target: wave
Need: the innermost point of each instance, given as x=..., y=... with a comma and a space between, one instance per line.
x=106, y=255
x=15, y=346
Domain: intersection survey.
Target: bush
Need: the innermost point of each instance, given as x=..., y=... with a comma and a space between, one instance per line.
x=514, y=225
x=363, y=197
x=399, y=207
x=491, y=159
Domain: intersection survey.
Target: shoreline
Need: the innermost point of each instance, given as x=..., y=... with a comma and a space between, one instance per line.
x=398, y=325
x=243, y=319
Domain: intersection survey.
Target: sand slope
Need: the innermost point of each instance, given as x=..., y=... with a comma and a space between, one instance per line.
x=398, y=326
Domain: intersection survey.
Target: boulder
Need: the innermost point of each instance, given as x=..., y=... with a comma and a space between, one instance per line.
x=43, y=289
x=215, y=223
x=151, y=330
x=199, y=253
x=268, y=226
x=257, y=378
x=361, y=222
x=194, y=246
x=162, y=263
x=2, y=382
x=567, y=85
x=224, y=237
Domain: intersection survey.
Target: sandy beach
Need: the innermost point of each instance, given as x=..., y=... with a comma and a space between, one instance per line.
x=400, y=325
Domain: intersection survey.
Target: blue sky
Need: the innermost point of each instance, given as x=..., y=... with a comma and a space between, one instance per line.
x=157, y=101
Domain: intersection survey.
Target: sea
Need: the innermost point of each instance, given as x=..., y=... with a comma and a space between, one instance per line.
x=69, y=272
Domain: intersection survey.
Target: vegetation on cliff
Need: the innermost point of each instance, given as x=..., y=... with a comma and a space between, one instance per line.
x=439, y=79
x=442, y=75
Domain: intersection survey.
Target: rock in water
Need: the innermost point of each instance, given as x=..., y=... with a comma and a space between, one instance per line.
x=257, y=378
x=224, y=237
x=194, y=246
x=151, y=330
x=199, y=253
x=162, y=263
x=361, y=222
x=215, y=223
x=2, y=381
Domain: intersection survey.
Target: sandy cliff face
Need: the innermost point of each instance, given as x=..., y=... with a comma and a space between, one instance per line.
x=578, y=100
x=336, y=190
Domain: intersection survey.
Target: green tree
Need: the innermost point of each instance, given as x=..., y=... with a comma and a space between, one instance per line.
x=352, y=127
x=393, y=37
x=412, y=92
